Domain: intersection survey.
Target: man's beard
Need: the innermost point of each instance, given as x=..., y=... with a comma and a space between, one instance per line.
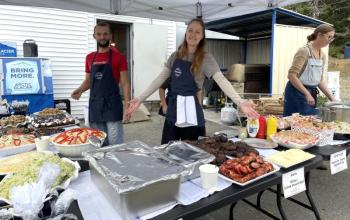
x=104, y=45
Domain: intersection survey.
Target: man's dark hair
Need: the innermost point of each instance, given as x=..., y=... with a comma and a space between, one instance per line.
x=103, y=24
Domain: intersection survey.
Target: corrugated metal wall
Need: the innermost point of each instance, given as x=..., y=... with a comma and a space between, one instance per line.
x=258, y=51
x=226, y=52
x=288, y=39
x=61, y=36
x=65, y=37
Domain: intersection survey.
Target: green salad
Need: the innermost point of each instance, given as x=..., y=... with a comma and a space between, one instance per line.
x=29, y=173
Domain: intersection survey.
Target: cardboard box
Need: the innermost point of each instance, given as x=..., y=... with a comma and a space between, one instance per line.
x=239, y=72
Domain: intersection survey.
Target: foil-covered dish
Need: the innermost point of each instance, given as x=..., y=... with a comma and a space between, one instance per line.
x=187, y=155
x=135, y=178
x=131, y=166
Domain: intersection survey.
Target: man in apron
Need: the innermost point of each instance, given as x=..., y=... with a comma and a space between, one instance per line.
x=105, y=68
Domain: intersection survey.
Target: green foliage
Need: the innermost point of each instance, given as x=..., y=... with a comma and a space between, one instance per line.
x=335, y=12
x=321, y=100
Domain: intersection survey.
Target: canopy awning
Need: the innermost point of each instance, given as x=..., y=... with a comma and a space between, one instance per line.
x=175, y=10
x=259, y=24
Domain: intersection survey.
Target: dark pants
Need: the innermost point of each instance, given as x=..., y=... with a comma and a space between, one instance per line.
x=172, y=132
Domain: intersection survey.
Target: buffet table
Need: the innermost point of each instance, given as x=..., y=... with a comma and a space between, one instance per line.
x=194, y=201
x=229, y=195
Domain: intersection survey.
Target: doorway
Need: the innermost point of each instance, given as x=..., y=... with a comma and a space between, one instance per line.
x=121, y=41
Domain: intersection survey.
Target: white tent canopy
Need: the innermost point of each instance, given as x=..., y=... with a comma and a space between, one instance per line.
x=176, y=10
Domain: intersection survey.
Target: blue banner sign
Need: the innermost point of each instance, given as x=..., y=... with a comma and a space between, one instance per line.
x=22, y=76
x=8, y=49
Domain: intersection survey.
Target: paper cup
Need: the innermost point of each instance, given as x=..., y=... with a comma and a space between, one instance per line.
x=42, y=144
x=209, y=176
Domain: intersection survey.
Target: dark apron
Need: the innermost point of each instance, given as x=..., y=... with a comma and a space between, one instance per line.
x=182, y=83
x=295, y=101
x=105, y=103
x=160, y=111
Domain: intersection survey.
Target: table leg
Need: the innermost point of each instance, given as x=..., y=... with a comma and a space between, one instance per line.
x=279, y=203
x=309, y=197
x=258, y=199
x=231, y=210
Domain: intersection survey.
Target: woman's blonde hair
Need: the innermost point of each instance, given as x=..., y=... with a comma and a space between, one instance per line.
x=322, y=28
x=199, y=54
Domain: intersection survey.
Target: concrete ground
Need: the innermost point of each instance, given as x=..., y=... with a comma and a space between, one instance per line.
x=331, y=193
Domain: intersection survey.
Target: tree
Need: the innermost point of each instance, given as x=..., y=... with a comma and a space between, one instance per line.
x=335, y=12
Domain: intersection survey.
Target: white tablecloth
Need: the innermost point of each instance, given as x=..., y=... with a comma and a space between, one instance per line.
x=95, y=206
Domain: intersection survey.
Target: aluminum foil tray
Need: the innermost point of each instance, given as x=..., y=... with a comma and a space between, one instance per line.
x=131, y=166
x=187, y=155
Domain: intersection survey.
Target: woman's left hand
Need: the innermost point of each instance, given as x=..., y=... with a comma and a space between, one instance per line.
x=247, y=107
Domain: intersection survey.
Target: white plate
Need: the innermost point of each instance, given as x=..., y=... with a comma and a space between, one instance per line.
x=289, y=144
x=260, y=143
x=275, y=167
x=64, y=185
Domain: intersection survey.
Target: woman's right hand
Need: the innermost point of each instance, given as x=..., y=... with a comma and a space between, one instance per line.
x=247, y=107
x=310, y=100
x=133, y=106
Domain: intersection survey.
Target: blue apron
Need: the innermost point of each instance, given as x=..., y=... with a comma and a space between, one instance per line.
x=294, y=100
x=105, y=103
x=182, y=83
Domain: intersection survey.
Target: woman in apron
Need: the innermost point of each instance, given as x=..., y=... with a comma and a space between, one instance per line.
x=187, y=69
x=307, y=73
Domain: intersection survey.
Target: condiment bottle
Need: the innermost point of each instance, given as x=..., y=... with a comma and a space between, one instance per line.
x=271, y=126
x=252, y=126
x=262, y=128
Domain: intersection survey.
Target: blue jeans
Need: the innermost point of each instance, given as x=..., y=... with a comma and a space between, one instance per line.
x=113, y=129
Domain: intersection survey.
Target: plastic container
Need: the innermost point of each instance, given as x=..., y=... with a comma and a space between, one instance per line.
x=42, y=143
x=209, y=176
x=347, y=51
x=242, y=133
x=252, y=127
x=271, y=126
x=262, y=128
x=228, y=114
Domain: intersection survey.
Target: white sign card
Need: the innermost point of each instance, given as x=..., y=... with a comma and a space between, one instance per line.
x=338, y=162
x=293, y=182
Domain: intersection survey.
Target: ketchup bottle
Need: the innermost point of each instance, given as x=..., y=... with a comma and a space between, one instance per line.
x=262, y=128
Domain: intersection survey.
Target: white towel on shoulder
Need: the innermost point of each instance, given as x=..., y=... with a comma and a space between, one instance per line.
x=186, y=114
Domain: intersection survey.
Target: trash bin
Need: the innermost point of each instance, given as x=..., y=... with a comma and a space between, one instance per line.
x=347, y=51
x=30, y=48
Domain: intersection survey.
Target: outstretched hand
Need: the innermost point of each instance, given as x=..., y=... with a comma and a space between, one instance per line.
x=133, y=106
x=247, y=107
